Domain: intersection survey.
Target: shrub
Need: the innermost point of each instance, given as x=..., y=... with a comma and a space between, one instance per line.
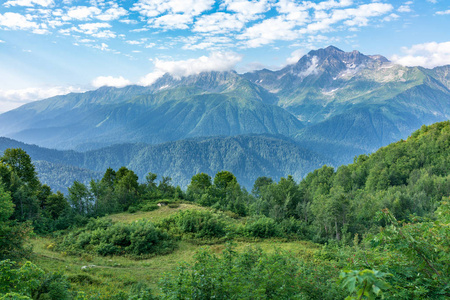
x=137, y=239
x=293, y=228
x=261, y=227
x=149, y=207
x=195, y=223
x=132, y=209
x=146, y=238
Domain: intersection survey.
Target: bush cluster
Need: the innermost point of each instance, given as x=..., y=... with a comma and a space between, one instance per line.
x=265, y=227
x=102, y=236
x=195, y=224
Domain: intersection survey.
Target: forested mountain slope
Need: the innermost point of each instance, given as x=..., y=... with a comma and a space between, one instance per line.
x=246, y=156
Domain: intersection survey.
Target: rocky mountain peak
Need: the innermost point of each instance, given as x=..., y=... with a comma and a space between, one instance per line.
x=332, y=60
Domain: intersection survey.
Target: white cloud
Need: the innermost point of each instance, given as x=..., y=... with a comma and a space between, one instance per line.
x=217, y=61
x=2, y=41
x=351, y=16
x=134, y=42
x=151, y=78
x=110, y=81
x=295, y=56
x=325, y=5
x=405, y=8
x=93, y=29
x=44, y=3
x=127, y=21
x=312, y=68
x=296, y=13
x=173, y=21
x=113, y=13
x=139, y=30
x=81, y=13
x=41, y=31
x=105, y=34
x=153, y=8
x=17, y=21
x=218, y=23
x=391, y=17
x=268, y=31
x=427, y=55
x=445, y=12
x=213, y=43
x=86, y=41
x=291, y=22
x=247, y=10
x=11, y=99
x=55, y=23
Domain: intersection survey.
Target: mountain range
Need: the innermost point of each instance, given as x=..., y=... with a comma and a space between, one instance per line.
x=328, y=107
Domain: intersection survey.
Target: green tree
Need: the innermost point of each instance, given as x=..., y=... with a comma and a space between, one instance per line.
x=80, y=198
x=109, y=178
x=127, y=188
x=200, y=183
x=260, y=183
x=55, y=205
x=12, y=233
x=150, y=180
x=20, y=163
x=224, y=179
x=42, y=194
x=166, y=187
x=6, y=205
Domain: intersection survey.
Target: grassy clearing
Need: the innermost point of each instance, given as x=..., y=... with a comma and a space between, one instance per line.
x=108, y=275
x=112, y=274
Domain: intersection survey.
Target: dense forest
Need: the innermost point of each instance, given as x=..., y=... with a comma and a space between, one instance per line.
x=379, y=227
x=247, y=156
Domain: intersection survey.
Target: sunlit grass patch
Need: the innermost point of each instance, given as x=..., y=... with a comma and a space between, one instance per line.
x=154, y=216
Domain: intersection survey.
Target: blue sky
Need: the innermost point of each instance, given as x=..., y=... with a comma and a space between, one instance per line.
x=50, y=47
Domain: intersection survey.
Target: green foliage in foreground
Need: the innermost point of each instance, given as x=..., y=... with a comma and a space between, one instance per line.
x=251, y=274
x=365, y=284
x=27, y=281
